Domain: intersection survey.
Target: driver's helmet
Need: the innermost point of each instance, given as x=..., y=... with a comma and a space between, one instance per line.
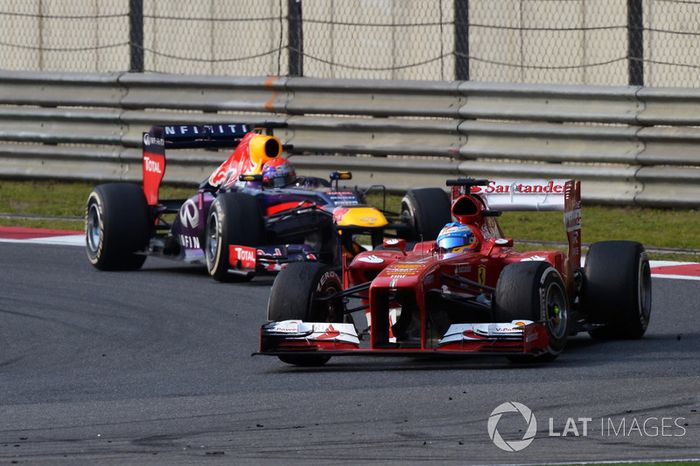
x=456, y=237
x=278, y=173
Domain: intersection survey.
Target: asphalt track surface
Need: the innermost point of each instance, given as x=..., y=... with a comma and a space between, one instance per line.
x=154, y=367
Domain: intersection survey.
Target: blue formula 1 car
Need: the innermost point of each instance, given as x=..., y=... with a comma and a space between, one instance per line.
x=253, y=214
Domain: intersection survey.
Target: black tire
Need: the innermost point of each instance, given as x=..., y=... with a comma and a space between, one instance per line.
x=293, y=297
x=617, y=289
x=234, y=218
x=534, y=291
x=117, y=225
x=426, y=211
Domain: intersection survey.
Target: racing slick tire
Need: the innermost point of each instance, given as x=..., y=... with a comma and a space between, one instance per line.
x=617, y=289
x=293, y=297
x=117, y=226
x=426, y=211
x=534, y=290
x=234, y=218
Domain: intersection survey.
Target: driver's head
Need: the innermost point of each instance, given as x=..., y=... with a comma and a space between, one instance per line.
x=278, y=173
x=456, y=237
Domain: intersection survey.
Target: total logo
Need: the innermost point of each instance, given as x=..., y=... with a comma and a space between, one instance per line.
x=245, y=254
x=151, y=165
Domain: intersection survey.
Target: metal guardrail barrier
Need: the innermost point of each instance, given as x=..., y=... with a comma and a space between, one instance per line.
x=630, y=145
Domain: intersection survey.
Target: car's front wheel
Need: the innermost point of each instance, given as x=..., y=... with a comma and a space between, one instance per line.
x=295, y=294
x=534, y=291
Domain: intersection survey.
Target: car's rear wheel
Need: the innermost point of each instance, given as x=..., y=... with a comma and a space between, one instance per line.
x=617, y=289
x=117, y=226
x=234, y=218
x=426, y=211
x=534, y=291
x=294, y=297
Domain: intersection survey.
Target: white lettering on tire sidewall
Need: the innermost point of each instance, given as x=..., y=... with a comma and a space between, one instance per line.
x=213, y=262
x=328, y=275
x=94, y=198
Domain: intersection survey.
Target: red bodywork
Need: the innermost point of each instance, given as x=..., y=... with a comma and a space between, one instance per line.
x=423, y=268
x=403, y=279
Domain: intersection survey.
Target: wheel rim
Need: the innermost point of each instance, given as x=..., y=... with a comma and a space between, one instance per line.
x=556, y=310
x=93, y=230
x=644, y=292
x=406, y=215
x=330, y=310
x=212, y=238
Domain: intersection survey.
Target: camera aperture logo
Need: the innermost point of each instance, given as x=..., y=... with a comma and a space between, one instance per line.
x=512, y=445
x=520, y=419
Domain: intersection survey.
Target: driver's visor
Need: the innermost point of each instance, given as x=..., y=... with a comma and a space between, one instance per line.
x=452, y=242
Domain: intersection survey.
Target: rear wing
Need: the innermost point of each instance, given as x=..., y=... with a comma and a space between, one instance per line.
x=162, y=137
x=533, y=195
x=523, y=195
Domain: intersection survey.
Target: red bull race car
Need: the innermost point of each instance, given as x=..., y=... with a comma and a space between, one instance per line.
x=467, y=292
x=253, y=214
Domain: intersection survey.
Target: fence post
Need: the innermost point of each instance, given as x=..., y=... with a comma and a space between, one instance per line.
x=635, y=42
x=136, y=35
x=296, y=38
x=462, y=40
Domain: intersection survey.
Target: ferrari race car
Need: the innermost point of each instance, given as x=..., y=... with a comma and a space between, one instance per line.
x=252, y=215
x=468, y=292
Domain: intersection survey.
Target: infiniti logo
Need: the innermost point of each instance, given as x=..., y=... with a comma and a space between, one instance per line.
x=148, y=140
x=189, y=214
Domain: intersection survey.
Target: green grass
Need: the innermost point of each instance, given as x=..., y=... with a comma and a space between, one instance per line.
x=653, y=227
x=51, y=224
x=50, y=198
x=660, y=228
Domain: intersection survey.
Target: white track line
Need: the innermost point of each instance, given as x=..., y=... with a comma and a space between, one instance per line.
x=64, y=240
x=637, y=461
x=674, y=277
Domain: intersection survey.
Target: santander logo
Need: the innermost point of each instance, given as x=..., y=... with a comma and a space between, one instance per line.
x=518, y=187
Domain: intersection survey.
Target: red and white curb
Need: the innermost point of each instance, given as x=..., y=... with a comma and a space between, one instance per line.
x=677, y=270
x=41, y=236
x=659, y=269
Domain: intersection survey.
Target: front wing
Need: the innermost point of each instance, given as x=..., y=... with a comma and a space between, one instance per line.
x=270, y=259
x=336, y=339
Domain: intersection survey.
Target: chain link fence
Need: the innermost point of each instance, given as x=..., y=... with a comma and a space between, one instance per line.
x=607, y=42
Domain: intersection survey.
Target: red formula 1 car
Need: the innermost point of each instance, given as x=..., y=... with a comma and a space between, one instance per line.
x=468, y=292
